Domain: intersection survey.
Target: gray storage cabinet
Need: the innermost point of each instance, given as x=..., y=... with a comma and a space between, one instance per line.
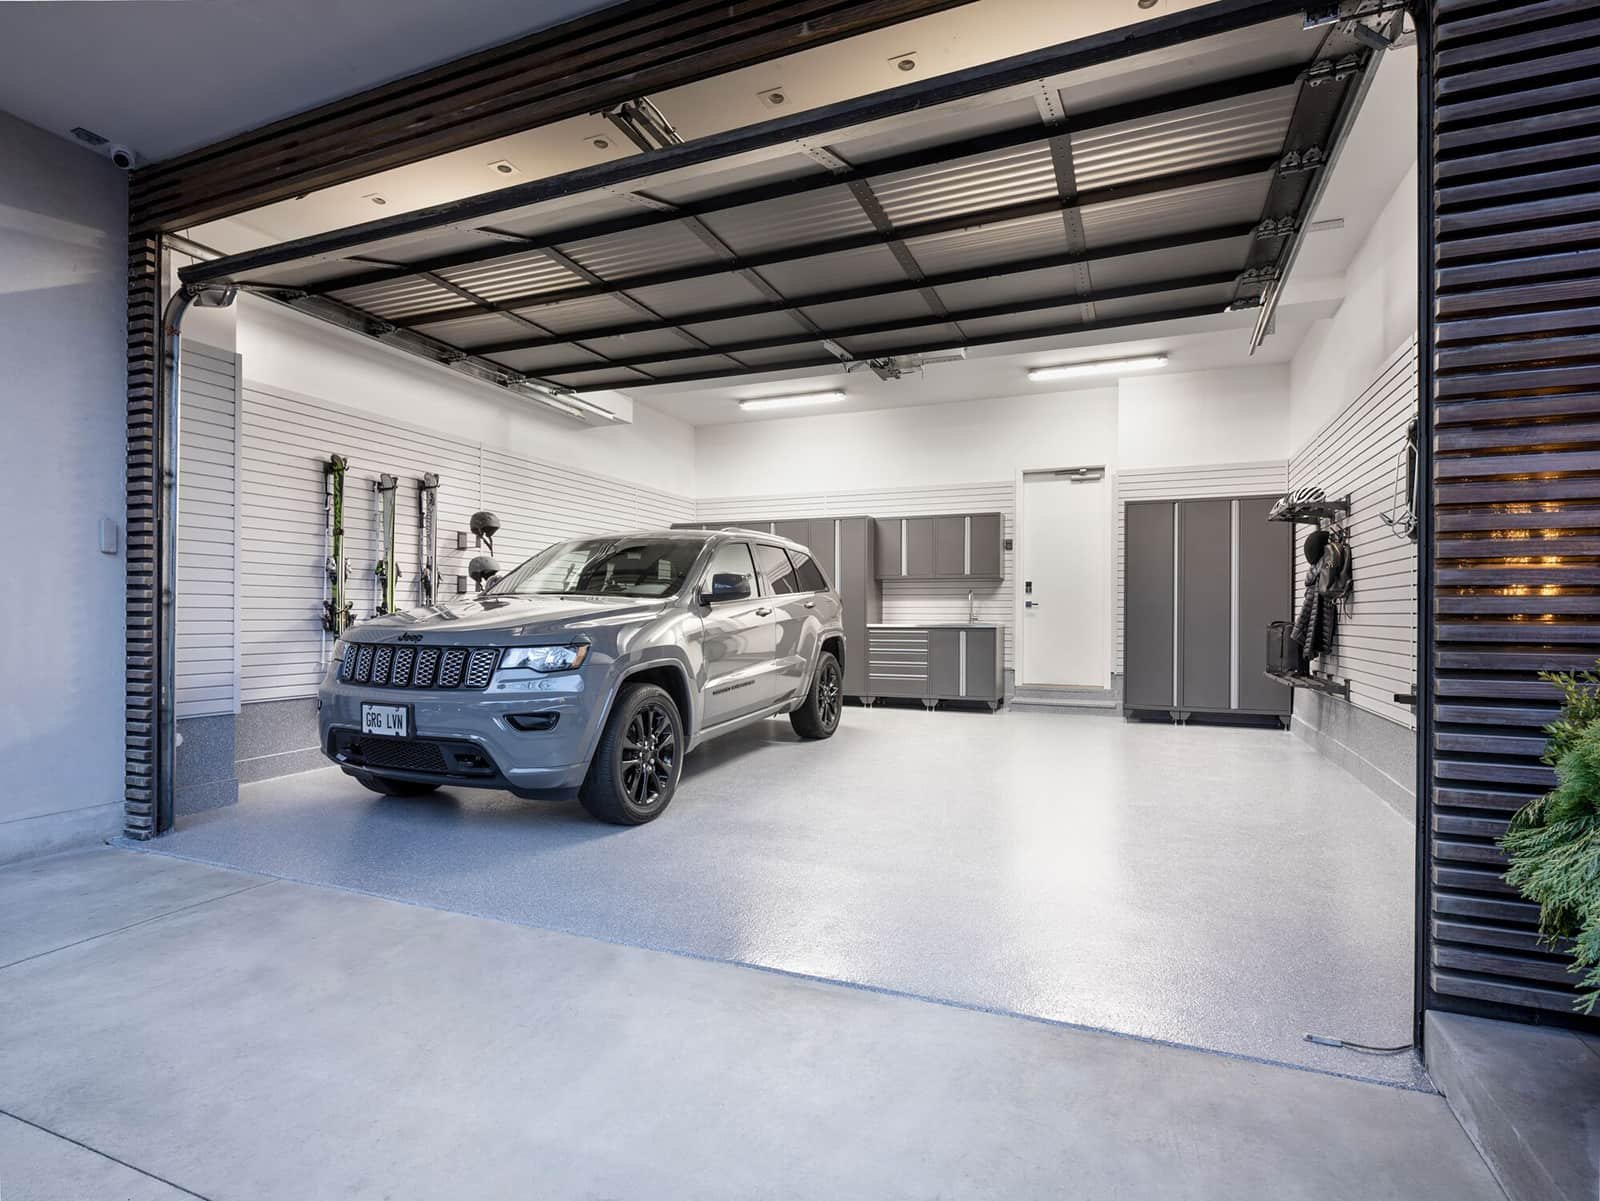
x=1203, y=579
x=951, y=546
x=936, y=663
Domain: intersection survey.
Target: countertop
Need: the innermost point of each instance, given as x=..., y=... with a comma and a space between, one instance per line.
x=933, y=625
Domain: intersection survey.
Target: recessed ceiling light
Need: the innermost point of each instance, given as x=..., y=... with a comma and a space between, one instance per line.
x=1147, y=362
x=375, y=198
x=503, y=166
x=600, y=143
x=1147, y=3
x=772, y=98
x=791, y=402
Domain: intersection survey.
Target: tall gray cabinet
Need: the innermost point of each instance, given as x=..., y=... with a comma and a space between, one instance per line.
x=1202, y=580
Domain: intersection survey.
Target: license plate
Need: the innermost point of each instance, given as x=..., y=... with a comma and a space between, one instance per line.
x=386, y=721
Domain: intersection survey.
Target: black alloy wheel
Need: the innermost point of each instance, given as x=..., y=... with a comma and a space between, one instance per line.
x=818, y=715
x=649, y=755
x=829, y=699
x=635, y=769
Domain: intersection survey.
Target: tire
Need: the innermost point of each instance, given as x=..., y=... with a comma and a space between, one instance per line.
x=636, y=767
x=389, y=786
x=818, y=715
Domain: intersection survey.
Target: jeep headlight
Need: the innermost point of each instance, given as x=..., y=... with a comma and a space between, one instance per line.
x=544, y=658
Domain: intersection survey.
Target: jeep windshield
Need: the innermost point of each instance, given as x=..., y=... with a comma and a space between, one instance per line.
x=604, y=567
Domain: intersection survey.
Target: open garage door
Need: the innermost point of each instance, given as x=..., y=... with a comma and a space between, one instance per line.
x=1120, y=180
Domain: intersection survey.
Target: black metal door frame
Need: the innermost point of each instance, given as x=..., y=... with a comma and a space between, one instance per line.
x=144, y=651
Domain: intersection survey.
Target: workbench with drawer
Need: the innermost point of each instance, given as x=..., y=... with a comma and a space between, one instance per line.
x=933, y=663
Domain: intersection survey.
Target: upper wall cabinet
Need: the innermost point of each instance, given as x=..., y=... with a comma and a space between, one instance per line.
x=955, y=546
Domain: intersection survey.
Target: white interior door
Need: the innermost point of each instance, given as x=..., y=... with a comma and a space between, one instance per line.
x=1066, y=579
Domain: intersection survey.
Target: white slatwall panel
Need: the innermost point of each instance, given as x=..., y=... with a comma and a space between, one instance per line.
x=1356, y=453
x=540, y=503
x=909, y=601
x=286, y=440
x=1186, y=483
x=208, y=614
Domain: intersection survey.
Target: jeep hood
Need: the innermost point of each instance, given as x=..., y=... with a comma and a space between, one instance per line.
x=531, y=619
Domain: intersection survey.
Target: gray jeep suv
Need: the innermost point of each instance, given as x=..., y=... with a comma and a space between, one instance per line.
x=590, y=670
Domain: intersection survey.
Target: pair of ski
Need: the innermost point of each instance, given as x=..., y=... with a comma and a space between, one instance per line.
x=338, y=611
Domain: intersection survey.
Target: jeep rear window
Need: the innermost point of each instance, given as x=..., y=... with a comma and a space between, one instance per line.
x=603, y=567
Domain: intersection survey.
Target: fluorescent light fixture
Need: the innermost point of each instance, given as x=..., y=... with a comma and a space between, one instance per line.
x=792, y=402
x=1145, y=362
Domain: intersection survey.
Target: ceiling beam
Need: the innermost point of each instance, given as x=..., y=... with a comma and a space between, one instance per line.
x=1212, y=279
x=967, y=343
x=1221, y=233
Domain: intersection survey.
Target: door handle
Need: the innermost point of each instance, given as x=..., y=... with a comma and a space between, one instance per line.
x=763, y=612
x=811, y=604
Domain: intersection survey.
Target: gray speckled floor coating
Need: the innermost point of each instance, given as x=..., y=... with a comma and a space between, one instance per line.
x=1214, y=887
x=286, y=1042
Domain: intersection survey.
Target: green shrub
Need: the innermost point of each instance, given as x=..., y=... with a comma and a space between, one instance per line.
x=1554, y=841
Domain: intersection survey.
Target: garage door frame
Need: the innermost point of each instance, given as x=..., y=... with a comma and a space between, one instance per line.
x=144, y=468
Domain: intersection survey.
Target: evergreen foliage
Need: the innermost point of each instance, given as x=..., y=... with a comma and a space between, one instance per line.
x=1554, y=841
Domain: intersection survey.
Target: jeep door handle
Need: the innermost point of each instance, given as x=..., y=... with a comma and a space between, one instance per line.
x=763, y=612
x=811, y=604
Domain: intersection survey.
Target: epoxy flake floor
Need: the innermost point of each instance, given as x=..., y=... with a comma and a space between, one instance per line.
x=1215, y=887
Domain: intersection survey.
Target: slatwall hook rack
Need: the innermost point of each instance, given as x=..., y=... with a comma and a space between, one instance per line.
x=1316, y=512
x=1316, y=683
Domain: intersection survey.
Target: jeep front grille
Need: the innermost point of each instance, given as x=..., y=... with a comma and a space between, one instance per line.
x=418, y=667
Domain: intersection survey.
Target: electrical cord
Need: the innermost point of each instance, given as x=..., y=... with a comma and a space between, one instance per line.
x=1322, y=1040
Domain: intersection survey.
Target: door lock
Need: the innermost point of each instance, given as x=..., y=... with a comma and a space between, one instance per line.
x=1032, y=605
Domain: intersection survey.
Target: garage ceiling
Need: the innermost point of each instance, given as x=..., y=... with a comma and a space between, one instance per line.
x=1166, y=185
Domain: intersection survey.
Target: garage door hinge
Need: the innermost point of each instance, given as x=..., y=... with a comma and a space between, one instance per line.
x=1297, y=162
x=1282, y=227
x=1258, y=277
x=1332, y=70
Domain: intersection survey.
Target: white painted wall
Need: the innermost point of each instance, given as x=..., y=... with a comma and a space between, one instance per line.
x=1231, y=415
x=904, y=448
x=285, y=350
x=1344, y=353
x=63, y=275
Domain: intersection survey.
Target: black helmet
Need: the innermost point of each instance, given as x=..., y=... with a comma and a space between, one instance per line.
x=485, y=524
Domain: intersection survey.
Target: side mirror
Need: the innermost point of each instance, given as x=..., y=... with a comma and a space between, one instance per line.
x=727, y=586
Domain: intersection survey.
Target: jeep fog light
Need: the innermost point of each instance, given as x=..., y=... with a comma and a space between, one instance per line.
x=544, y=658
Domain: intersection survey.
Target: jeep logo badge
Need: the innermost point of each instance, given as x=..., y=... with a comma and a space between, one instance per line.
x=410, y=637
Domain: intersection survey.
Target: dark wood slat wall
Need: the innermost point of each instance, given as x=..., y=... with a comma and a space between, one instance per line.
x=1516, y=440
x=143, y=491
x=579, y=67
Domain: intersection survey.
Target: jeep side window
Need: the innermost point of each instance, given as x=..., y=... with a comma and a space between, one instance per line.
x=732, y=558
x=776, y=567
x=808, y=573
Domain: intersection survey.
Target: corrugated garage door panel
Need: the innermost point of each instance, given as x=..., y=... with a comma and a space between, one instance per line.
x=1356, y=455
x=208, y=615
x=286, y=439
x=1516, y=431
